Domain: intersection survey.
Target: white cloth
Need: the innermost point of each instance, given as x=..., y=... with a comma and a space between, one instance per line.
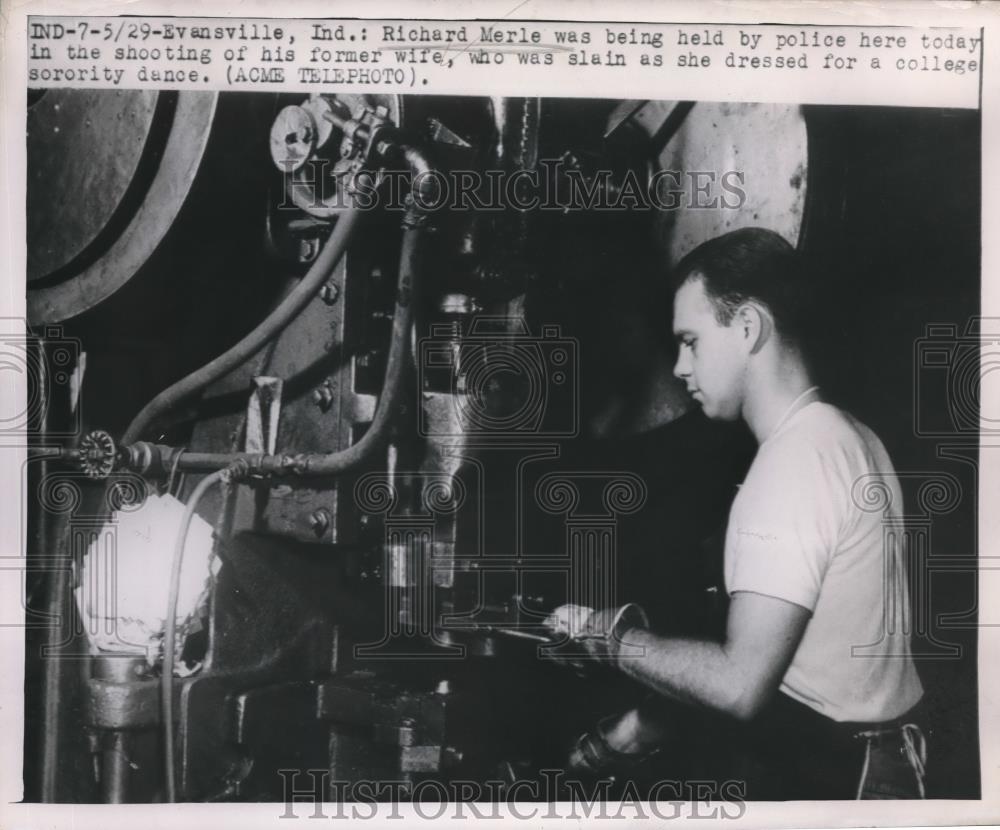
x=122, y=593
x=797, y=531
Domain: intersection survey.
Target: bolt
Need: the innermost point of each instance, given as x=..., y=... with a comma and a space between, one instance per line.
x=319, y=521
x=308, y=250
x=329, y=293
x=323, y=396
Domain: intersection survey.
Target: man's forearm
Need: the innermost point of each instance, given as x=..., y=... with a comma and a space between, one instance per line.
x=691, y=671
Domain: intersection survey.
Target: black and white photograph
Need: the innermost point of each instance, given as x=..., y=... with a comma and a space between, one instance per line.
x=556, y=457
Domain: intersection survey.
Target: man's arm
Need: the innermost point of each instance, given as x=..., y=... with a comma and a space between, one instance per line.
x=737, y=676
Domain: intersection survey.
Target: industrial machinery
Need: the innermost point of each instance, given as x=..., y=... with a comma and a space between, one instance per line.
x=405, y=363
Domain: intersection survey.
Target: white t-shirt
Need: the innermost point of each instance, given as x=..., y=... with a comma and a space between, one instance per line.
x=798, y=531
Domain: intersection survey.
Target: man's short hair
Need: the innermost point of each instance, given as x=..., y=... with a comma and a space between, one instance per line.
x=751, y=264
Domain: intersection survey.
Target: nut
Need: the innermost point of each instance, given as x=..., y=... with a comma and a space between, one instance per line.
x=319, y=521
x=323, y=396
x=329, y=293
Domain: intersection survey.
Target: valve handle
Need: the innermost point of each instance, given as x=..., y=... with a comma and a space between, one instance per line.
x=97, y=454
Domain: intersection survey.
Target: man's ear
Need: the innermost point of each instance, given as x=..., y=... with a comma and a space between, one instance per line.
x=757, y=325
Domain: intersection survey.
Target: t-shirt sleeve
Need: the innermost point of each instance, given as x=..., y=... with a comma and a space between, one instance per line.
x=784, y=524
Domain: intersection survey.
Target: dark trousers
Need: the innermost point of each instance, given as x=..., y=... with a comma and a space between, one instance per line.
x=791, y=752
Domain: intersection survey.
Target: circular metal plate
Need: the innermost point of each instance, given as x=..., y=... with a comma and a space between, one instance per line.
x=84, y=148
x=144, y=228
x=751, y=161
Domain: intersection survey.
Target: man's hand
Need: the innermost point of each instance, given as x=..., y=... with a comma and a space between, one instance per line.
x=593, y=636
x=568, y=620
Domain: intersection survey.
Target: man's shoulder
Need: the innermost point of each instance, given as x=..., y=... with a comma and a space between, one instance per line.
x=826, y=434
x=825, y=424
x=816, y=463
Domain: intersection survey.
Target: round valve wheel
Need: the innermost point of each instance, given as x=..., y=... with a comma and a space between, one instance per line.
x=97, y=454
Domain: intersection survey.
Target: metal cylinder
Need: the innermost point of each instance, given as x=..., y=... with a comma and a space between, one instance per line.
x=123, y=670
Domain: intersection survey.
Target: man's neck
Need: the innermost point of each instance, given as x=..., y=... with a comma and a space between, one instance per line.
x=775, y=395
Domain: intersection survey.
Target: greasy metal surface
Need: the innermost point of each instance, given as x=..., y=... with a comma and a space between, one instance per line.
x=84, y=148
x=112, y=705
x=167, y=192
x=310, y=354
x=765, y=142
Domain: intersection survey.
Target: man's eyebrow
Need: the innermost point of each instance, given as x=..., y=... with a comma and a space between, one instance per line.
x=680, y=333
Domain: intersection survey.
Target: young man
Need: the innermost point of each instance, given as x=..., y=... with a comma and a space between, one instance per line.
x=815, y=669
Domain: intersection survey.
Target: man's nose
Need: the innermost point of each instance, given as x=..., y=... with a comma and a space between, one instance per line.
x=682, y=367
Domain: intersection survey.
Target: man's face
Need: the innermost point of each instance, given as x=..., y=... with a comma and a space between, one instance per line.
x=711, y=357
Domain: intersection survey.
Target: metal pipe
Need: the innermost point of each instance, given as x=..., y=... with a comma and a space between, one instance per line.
x=324, y=464
x=272, y=325
x=116, y=743
x=115, y=769
x=425, y=187
x=170, y=632
x=522, y=635
x=395, y=370
x=58, y=606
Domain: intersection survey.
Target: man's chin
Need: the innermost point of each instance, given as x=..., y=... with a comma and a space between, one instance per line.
x=713, y=413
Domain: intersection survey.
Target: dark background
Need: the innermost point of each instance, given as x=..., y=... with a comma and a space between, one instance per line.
x=903, y=254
